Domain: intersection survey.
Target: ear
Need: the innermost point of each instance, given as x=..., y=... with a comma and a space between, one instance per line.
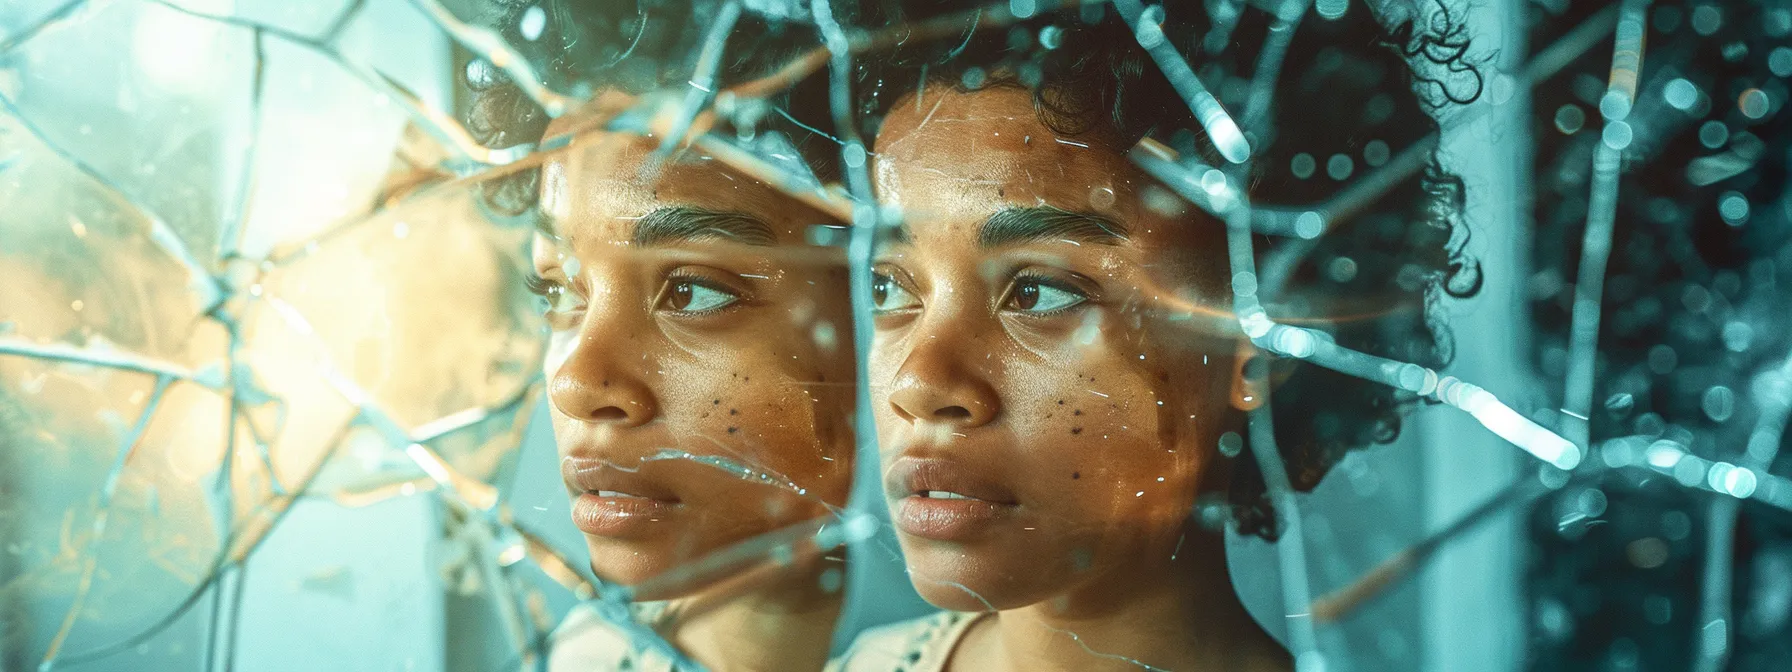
x=1247, y=394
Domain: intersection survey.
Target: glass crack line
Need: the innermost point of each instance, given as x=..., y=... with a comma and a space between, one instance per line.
x=1354, y=196
x=348, y=15
x=1602, y=208
x=439, y=125
x=101, y=518
x=1220, y=127
x=1269, y=67
x=199, y=281
x=1673, y=458
x=782, y=546
x=489, y=45
x=229, y=238
x=286, y=252
x=461, y=488
x=743, y=471
x=1291, y=552
x=1302, y=343
x=1773, y=395
x=525, y=157
x=779, y=547
x=1338, y=604
x=702, y=84
x=830, y=199
x=860, y=42
x=1099, y=654
x=459, y=420
x=224, y=556
x=475, y=530
x=55, y=17
x=107, y=358
x=866, y=219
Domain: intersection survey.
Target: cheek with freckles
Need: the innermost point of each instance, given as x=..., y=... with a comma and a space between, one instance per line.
x=1101, y=451
x=1109, y=421
x=760, y=407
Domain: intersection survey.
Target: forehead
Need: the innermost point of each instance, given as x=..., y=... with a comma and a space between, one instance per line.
x=950, y=159
x=953, y=154
x=604, y=182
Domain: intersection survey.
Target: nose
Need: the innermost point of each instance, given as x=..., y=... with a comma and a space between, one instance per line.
x=599, y=384
x=935, y=386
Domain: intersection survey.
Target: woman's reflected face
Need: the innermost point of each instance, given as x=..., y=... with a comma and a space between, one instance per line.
x=1043, y=415
x=700, y=368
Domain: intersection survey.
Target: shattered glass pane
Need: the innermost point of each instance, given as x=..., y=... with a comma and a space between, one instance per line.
x=921, y=335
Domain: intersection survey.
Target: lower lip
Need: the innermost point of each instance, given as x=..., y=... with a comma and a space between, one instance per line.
x=620, y=516
x=947, y=519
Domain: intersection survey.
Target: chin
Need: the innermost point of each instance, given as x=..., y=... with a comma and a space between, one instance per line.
x=629, y=563
x=960, y=579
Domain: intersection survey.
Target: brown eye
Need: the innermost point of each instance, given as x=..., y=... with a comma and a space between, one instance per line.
x=1035, y=296
x=690, y=296
x=680, y=298
x=887, y=295
x=880, y=289
x=1026, y=296
x=553, y=297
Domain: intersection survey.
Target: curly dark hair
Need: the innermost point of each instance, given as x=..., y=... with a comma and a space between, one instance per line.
x=1379, y=274
x=1694, y=311
x=633, y=46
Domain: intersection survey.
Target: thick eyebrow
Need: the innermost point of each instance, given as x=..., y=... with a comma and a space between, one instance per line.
x=679, y=224
x=1044, y=222
x=900, y=235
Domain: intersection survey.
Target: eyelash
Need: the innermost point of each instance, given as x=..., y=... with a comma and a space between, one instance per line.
x=677, y=277
x=545, y=289
x=1036, y=278
x=538, y=285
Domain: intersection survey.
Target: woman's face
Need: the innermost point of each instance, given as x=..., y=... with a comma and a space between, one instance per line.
x=1045, y=404
x=700, y=369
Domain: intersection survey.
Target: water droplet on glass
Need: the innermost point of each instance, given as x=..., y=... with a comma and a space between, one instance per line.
x=1231, y=444
x=1570, y=119
x=1303, y=165
x=1713, y=134
x=1718, y=402
x=1617, y=135
x=534, y=21
x=1681, y=94
x=1753, y=103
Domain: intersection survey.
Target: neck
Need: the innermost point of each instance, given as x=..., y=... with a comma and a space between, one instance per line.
x=785, y=622
x=1159, y=613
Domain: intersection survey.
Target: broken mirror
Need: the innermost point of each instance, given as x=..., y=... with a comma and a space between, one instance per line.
x=472, y=335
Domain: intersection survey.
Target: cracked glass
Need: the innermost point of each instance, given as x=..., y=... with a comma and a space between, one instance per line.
x=894, y=335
